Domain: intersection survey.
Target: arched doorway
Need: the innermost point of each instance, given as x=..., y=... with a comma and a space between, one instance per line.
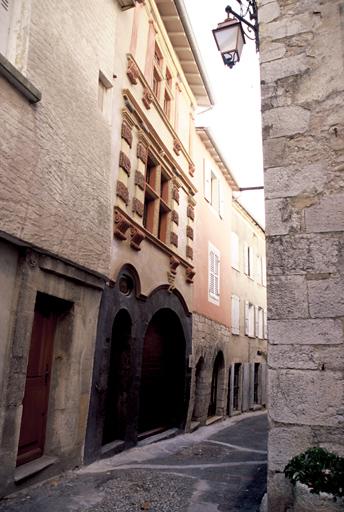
x=119, y=380
x=216, y=390
x=200, y=391
x=162, y=375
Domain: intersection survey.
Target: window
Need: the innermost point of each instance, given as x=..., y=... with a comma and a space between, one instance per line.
x=158, y=59
x=167, y=104
x=235, y=250
x=213, y=191
x=168, y=78
x=265, y=323
x=259, y=322
x=156, y=83
x=248, y=260
x=213, y=275
x=249, y=319
x=156, y=201
x=235, y=315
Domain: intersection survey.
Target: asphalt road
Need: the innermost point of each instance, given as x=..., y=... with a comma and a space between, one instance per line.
x=218, y=468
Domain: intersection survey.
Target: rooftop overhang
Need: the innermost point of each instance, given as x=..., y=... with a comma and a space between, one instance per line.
x=177, y=24
x=215, y=153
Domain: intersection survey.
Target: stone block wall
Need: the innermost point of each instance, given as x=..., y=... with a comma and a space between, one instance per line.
x=302, y=77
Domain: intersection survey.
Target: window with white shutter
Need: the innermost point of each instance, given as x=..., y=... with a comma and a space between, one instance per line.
x=235, y=314
x=213, y=275
x=248, y=260
x=246, y=318
x=256, y=330
x=249, y=319
x=6, y=7
x=207, y=181
x=265, y=322
x=235, y=251
x=260, y=332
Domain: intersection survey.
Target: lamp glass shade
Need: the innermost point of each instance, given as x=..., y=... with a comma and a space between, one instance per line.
x=229, y=37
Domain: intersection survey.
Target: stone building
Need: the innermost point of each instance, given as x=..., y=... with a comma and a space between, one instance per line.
x=55, y=226
x=229, y=350
x=302, y=72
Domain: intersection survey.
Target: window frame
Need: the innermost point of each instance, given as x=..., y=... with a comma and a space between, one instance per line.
x=214, y=296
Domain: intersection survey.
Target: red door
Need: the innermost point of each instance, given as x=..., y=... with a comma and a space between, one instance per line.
x=35, y=403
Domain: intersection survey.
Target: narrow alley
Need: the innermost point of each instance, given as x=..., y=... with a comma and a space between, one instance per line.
x=221, y=467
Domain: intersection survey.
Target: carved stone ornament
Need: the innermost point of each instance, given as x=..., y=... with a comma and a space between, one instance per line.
x=174, y=264
x=142, y=152
x=136, y=238
x=189, y=274
x=177, y=147
x=189, y=252
x=132, y=72
x=175, y=217
x=31, y=258
x=189, y=232
x=126, y=133
x=171, y=279
x=122, y=192
x=174, y=239
x=175, y=194
x=138, y=206
x=191, y=169
x=190, y=212
x=121, y=225
x=139, y=180
x=147, y=98
x=124, y=162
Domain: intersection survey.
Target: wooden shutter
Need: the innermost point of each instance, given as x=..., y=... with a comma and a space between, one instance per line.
x=207, y=181
x=5, y=21
x=221, y=200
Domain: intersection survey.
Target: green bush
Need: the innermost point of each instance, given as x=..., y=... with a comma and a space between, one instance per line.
x=320, y=470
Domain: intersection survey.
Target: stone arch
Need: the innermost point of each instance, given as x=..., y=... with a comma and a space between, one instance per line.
x=200, y=390
x=217, y=387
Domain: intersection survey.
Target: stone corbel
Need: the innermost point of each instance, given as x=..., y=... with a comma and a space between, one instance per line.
x=142, y=152
x=132, y=72
x=190, y=212
x=175, y=217
x=189, y=274
x=177, y=146
x=175, y=193
x=191, y=169
x=174, y=264
x=138, y=207
x=136, y=238
x=147, y=98
x=189, y=232
x=174, y=239
x=189, y=252
x=126, y=133
x=121, y=225
x=124, y=162
x=139, y=180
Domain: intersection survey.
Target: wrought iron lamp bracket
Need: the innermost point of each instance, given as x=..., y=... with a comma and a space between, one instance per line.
x=248, y=8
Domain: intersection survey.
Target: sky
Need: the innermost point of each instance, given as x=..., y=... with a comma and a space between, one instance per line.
x=235, y=121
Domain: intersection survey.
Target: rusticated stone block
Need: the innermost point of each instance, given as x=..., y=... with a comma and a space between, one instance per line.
x=139, y=180
x=189, y=232
x=190, y=212
x=122, y=191
x=281, y=217
x=306, y=357
x=285, y=442
x=124, y=162
x=306, y=332
x=142, y=152
x=285, y=121
x=147, y=98
x=269, y=12
x=327, y=215
x=302, y=397
x=174, y=238
x=126, y=133
x=292, y=181
x=189, y=252
x=282, y=68
x=138, y=206
x=175, y=217
x=175, y=194
x=326, y=297
x=287, y=297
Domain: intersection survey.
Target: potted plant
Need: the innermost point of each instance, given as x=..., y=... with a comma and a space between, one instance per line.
x=318, y=478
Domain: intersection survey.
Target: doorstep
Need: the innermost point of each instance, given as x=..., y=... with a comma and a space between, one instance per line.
x=166, y=434
x=194, y=425
x=114, y=447
x=31, y=468
x=213, y=419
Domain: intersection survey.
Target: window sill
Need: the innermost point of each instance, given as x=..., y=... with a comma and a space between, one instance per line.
x=15, y=78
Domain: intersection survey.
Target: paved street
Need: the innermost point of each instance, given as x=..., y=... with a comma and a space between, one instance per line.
x=217, y=468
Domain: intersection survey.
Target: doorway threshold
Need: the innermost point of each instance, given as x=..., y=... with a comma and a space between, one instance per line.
x=166, y=434
x=194, y=425
x=33, y=467
x=213, y=419
x=113, y=447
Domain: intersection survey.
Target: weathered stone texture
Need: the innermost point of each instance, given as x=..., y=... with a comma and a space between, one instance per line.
x=306, y=332
x=326, y=297
x=287, y=297
x=282, y=121
x=327, y=215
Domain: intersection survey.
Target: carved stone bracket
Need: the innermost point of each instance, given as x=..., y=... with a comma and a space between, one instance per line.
x=147, y=98
x=171, y=279
x=175, y=193
x=124, y=162
x=190, y=212
x=177, y=147
x=126, y=133
x=175, y=217
x=174, y=239
x=191, y=169
x=142, y=152
x=122, y=192
x=189, y=252
x=137, y=237
x=189, y=274
x=138, y=206
x=190, y=232
x=132, y=72
x=174, y=264
x=121, y=225
x=139, y=180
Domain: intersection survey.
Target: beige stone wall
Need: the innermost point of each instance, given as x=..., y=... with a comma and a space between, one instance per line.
x=302, y=76
x=55, y=166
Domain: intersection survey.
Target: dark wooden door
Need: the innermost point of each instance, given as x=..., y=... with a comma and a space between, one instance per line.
x=213, y=391
x=35, y=403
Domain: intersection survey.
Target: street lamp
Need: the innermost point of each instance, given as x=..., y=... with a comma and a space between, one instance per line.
x=230, y=34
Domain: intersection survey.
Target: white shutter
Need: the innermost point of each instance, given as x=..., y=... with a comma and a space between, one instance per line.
x=252, y=258
x=237, y=314
x=207, y=180
x=5, y=21
x=256, y=321
x=211, y=272
x=246, y=258
x=221, y=201
x=217, y=274
x=247, y=324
